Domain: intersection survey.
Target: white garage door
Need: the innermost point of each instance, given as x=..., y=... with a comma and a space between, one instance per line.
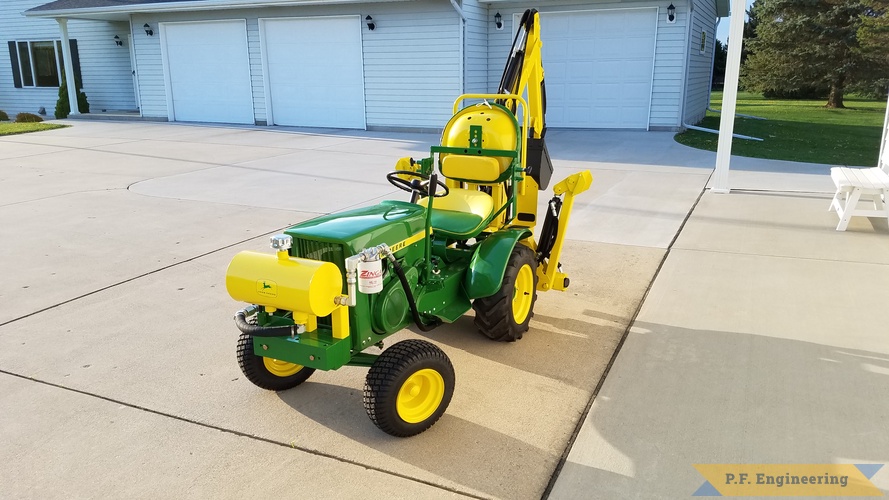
x=208, y=72
x=598, y=67
x=314, y=71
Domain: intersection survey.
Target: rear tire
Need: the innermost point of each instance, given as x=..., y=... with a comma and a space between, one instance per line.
x=505, y=315
x=408, y=388
x=269, y=373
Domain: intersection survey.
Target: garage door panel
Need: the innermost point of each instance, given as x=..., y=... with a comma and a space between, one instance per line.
x=599, y=67
x=305, y=88
x=208, y=71
x=584, y=71
x=558, y=46
x=639, y=71
x=637, y=47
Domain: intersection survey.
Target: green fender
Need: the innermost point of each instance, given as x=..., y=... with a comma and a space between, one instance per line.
x=488, y=264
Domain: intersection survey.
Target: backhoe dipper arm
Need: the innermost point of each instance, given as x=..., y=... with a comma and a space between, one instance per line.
x=549, y=273
x=524, y=71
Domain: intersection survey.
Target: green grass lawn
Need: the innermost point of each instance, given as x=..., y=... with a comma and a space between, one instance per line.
x=799, y=130
x=24, y=128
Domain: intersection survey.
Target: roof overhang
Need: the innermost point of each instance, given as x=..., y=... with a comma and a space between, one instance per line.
x=122, y=12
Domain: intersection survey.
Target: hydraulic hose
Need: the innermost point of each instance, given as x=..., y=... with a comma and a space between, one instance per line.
x=550, y=230
x=260, y=331
x=410, y=297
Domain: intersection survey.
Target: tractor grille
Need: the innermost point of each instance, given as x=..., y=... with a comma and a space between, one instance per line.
x=319, y=250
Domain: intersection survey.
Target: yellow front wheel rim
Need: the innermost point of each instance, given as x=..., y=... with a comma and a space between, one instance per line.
x=420, y=396
x=524, y=291
x=281, y=368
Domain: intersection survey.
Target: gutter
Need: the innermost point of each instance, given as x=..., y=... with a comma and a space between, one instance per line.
x=188, y=6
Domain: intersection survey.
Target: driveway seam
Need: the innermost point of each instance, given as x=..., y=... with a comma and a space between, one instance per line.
x=64, y=194
x=564, y=458
x=242, y=434
x=791, y=257
x=149, y=273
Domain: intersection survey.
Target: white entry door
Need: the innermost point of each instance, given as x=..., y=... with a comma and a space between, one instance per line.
x=599, y=67
x=313, y=70
x=207, y=71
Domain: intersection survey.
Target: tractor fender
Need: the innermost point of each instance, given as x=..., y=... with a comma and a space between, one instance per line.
x=489, y=261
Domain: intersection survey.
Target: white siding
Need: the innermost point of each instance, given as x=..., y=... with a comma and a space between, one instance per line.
x=411, y=59
x=700, y=65
x=476, y=47
x=150, y=68
x=669, y=51
x=105, y=67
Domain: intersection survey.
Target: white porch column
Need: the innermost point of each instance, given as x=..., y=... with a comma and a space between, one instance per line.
x=69, y=66
x=884, y=150
x=729, y=97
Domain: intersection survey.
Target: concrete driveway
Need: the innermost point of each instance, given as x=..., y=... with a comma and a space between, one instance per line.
x=117, y=359
x=117, y=369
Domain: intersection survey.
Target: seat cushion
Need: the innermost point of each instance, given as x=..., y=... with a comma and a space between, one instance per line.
x=462, y=214
x=456, y=225
x=466, y=200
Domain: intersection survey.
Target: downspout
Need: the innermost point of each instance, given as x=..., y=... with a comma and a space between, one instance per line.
x=459, y=10
x=710, y=88
x=462, y=43
x=69, y=67
x=683, y=96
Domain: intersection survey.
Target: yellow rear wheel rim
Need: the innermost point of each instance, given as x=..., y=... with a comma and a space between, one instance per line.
x=524, y=291
x=281, y=368
x=420, y=396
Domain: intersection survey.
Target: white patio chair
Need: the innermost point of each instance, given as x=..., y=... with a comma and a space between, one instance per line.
x=861, y=185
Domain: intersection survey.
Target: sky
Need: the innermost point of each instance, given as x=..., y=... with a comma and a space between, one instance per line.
x=722, y=31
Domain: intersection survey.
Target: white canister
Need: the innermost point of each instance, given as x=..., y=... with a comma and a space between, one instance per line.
x=370, y=276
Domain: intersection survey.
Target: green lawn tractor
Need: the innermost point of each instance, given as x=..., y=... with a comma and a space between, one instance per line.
x=340, y=284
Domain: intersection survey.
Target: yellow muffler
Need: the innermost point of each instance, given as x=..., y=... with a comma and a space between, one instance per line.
x=284, y=282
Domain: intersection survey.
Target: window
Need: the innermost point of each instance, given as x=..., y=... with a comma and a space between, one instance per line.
x=40, y=63
x=703, y=41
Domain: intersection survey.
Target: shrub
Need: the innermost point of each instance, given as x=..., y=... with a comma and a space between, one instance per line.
x=63, y=107
x=3, y=116
x=27, y=118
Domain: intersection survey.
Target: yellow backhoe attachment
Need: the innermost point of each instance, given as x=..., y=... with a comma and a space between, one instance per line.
x=549, y=272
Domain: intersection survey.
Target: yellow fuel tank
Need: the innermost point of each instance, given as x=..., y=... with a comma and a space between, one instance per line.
x=288, y=283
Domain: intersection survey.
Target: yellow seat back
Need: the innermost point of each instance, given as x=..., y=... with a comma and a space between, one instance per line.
x=499, y=131
x=479, y=169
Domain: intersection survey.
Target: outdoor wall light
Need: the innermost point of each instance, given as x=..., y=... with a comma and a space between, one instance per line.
x=148, y=30
x=671, y=14
x=370, y=23
x=498, y=21
x=118, y=41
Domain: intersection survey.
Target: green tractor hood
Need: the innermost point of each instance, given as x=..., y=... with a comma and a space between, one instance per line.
x=389, y=222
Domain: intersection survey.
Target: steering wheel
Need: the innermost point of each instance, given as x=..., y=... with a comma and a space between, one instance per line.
x=419, y=185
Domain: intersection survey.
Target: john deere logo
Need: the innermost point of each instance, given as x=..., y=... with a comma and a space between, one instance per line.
x=267, y=287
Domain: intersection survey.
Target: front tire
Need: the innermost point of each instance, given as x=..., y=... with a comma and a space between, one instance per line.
x=505, y=315
x=269, y=373
x=408, y=388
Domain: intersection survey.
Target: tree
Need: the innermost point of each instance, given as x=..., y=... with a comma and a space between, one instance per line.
x=749, y=30
x=873, y=35
x=720, y=57
x=812, y=46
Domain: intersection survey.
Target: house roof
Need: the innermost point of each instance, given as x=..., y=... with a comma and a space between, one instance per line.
x=119, y=10
x=89, y=4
